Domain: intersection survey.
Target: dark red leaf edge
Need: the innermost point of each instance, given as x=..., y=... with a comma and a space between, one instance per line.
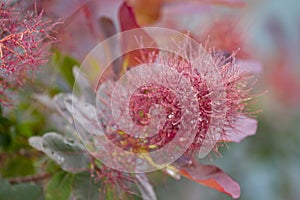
x=213, y=177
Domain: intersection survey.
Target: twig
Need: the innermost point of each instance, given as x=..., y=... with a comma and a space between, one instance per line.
x=33, y=178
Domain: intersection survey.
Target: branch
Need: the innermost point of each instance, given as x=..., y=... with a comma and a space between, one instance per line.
x=26, y=179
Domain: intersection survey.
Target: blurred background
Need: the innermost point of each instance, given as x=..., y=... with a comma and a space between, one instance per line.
x=266, y=165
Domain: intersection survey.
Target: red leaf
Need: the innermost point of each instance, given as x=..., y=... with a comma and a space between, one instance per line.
x=243, y=127
x=127, y=18
x=212, y=177
x=128, y=22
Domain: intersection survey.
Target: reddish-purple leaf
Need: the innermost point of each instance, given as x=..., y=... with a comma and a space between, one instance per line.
x=127, y=18
x=242, y=128
x=212, y=177
x=128, y=22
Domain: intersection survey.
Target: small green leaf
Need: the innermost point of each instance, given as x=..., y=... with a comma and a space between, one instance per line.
x=69, y=154
x=84, y=187
x=59, y=187
x=36, y=142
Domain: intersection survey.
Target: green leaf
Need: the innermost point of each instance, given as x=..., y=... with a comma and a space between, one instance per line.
x=69, y=154
x=26, y=129
x=27, y=191
x=83, y=85
x=59, y=187
x=82, y=112
x=4, y=123
x=52, y=167
x=65, y=64
x=27, y=120
x=4, y=187
x=84, y=188
x=5, y=139
x=18, y=166
x=23, y=191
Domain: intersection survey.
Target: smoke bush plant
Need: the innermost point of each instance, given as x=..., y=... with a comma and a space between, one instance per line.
x=24, y=38
x=73, y=157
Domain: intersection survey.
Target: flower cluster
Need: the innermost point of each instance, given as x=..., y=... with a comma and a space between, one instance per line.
x=24, y=37
x=230, y=118
x=221, y=102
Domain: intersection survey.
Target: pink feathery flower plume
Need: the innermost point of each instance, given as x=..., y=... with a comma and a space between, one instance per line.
x=227, y=117
x=24, y=38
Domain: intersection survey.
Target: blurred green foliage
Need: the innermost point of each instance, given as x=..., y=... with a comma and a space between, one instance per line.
x=19, y=162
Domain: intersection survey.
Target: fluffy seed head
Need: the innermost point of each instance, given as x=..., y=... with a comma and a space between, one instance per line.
x=24, y=37
x=213, y=118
